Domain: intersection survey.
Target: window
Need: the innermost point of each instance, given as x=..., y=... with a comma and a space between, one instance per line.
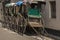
x=53, y=9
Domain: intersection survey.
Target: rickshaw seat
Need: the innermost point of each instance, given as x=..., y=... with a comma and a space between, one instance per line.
x=34, y=13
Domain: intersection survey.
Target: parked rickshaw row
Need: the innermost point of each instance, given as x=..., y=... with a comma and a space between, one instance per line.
x=22, y=15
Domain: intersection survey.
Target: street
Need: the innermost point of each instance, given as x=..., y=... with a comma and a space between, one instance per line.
x=6, y=34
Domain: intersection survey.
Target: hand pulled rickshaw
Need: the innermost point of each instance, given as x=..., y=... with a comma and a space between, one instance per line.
x=34, y=17
x=5, y=14
x=10, y=11
x=31, y=16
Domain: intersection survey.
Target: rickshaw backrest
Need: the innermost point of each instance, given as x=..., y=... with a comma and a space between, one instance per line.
x=34, y=13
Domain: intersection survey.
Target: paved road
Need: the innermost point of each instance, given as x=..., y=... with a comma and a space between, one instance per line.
x=9, y=35
x=6, y=34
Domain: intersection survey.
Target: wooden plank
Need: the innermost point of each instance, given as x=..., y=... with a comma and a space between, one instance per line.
x=35, y=24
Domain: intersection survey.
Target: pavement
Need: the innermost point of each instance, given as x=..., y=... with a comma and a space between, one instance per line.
x=6, y=34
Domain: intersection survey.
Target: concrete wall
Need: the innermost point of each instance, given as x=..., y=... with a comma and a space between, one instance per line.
x=53, y=23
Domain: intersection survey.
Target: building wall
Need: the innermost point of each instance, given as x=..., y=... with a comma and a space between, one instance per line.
x=53, y=23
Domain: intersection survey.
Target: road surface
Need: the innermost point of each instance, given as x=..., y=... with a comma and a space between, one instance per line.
x=6, y=34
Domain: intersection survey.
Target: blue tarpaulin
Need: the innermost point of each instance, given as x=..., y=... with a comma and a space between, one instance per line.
x=19, y=3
